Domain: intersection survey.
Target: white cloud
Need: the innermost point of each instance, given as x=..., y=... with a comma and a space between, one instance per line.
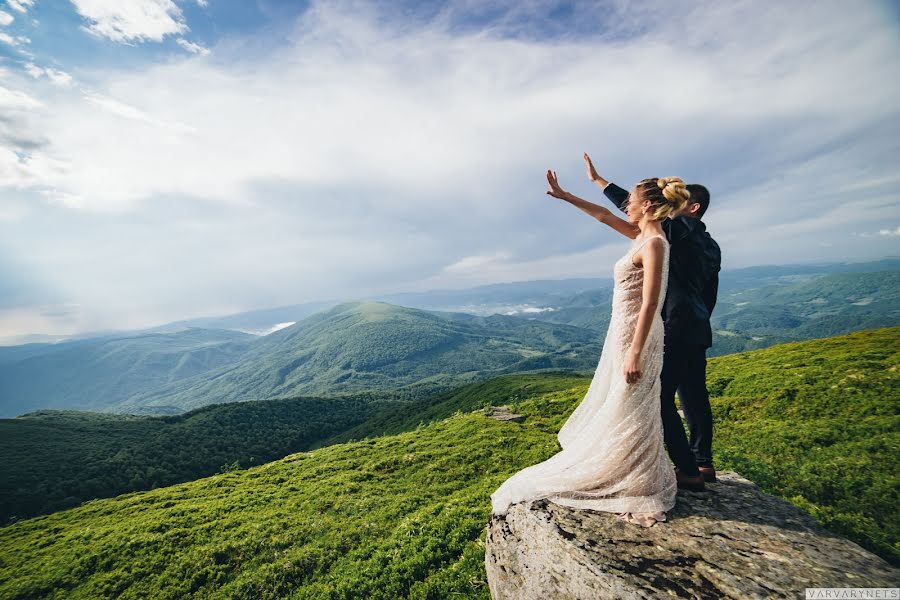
x=882, y=233
x=14, y=40
x=131, y=21
x=15, y=100
x=273, y=329
x=20, y=5
x=56, y=77
x=192, y=47
x=29, y=170
x=477, y=263
x=121, y=109
x=5, y=18
x=503, y=267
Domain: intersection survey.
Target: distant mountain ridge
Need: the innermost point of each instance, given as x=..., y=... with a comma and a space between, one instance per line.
x=781, y=309
x=351, y=348
x=87, y=373
x=512, y=298
x=361, y=346
x=555, y=325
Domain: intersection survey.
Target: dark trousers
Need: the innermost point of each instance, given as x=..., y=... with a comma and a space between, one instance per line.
x=684, y=371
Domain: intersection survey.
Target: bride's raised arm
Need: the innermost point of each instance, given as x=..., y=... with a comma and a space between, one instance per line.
x=601, y=213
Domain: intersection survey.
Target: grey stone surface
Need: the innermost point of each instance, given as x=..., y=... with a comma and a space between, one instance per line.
x=730, y=541
x=502, y=413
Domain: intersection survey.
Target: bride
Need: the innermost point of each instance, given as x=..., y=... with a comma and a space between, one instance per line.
x=613, y=458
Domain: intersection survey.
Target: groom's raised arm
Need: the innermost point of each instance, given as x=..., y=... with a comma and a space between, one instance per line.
x=617, y=195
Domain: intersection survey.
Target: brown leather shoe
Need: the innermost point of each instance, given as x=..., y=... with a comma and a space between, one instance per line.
x=694, y=483
x=709, y=474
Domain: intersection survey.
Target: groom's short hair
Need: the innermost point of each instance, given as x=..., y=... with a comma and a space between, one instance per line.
x=700, y=195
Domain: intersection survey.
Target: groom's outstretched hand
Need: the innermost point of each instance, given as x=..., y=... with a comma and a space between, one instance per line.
x=592, y=172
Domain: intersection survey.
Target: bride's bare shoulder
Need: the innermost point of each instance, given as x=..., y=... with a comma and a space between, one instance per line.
x=651, y=250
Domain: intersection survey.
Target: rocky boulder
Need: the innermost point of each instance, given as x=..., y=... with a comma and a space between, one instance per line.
x=730, y=541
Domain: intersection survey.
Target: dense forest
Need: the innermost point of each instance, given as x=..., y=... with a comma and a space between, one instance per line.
x=58, y=459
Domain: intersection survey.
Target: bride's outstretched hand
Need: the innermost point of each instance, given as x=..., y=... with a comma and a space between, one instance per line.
x=591, y=171
x=555, y=190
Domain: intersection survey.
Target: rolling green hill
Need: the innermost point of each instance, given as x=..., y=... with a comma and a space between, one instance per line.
x=374, y=346
x=403, y=514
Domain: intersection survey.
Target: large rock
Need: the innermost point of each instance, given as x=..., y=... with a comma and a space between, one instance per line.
x=730, y=541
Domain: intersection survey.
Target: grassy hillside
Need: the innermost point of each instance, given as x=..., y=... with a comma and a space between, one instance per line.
x=403, y=515
x=818, y=423
x=58, y=459
x=400, y=516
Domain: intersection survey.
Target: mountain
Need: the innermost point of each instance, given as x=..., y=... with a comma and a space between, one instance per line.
x=404, y=514
x=351, y=348
x=780, y=309
x=374, y=346
x=94, y=374
x=757, y=307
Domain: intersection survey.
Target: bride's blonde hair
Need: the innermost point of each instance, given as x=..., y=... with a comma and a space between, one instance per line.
x=666, y=195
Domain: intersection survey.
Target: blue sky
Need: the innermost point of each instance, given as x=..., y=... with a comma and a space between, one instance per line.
x=161, y=160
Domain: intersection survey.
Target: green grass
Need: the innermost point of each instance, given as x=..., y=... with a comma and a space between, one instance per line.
x=397, y=516
x=403, y=515
x=817, y=422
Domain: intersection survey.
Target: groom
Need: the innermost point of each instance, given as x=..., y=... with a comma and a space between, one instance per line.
x=695, y=261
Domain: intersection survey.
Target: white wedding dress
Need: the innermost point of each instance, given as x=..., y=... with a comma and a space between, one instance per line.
x=613, y=456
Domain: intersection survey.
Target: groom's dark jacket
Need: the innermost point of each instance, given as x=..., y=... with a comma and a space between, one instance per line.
x=694, y=264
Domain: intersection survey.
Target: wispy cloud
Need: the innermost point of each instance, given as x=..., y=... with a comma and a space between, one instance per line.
x=20, y=5
x=131, y=21
x=55, y=76
x=882, y=233
x=192, y=47
x=121, y=109
x=10, y=40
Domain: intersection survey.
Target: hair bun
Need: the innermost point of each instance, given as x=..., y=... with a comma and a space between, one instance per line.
x=666, y=195
x=675, y=191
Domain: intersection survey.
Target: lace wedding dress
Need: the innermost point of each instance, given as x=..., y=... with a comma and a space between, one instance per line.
x=613, y=457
